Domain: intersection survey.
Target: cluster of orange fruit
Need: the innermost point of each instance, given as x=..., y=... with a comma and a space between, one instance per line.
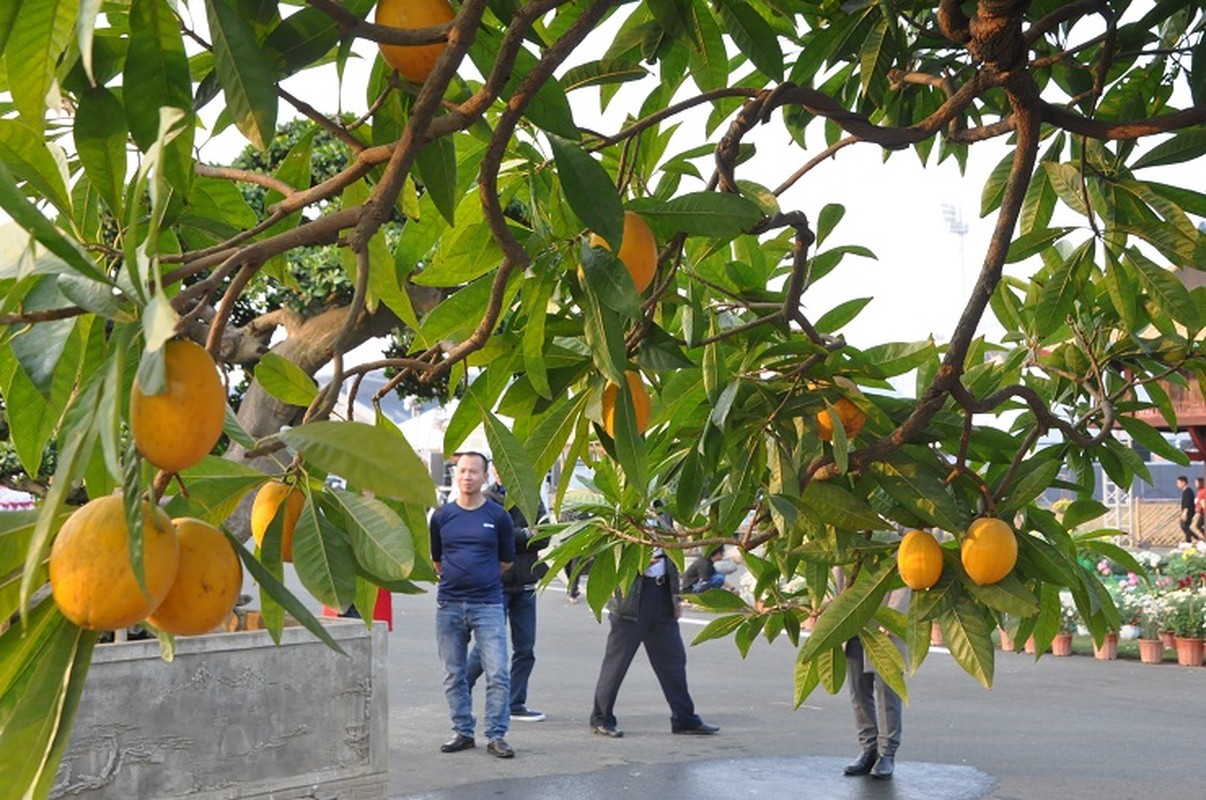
x=989, y=551
x=191, y=572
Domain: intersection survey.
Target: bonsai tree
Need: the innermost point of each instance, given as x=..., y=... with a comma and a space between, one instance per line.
x=528, y=254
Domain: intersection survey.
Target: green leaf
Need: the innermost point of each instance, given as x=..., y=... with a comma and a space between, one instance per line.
x=589, y=190
x=603, y=72
x=1083, y=510
x=156, y=70
x=377, y=458
x=850, y=610
x=1033, y=479
x=30, y=158
x=719, y=627
x=272, y=587
x=1184, y=146
x=436, y=164
x=753, y=36
x=1008, y=595
x=967, y=633
x=840, y=508
x=285, y=381
x=837, y=317
x=43, y=663
x=216, y=486
x=711, y=214
x=323, y=558
x=921, y=491
x=720, y=600
x=607, y=280
x=27, y=215
x=100, y=138
x=1165, y=290
x=1033, y=242
x=30, y=58
x=1152, y=439
x=247, y=78
x=514, y=466
x=381, y=541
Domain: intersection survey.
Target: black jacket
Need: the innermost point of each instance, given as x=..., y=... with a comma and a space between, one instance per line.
x=524, y=572
x=628, y=606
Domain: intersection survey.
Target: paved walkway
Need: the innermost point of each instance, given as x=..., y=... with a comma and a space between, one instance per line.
x=1065, y=728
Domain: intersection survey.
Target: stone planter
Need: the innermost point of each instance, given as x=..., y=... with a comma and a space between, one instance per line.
x=234, y=715
x=1151, y=651
x=1108, y=650
x=1190, y=651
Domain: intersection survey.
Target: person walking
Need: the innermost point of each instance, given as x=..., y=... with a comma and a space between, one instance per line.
x=1200, y=506
x=1188, y=504
x=647, y=614
x=519, y=600
x=472, y=544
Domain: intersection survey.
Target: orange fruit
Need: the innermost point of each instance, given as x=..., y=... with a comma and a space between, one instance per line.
x=640, y=403
x=91, y=576
x=413, y=62
x=989, y=550
x=638, y=250
x=207, y=582
x=176, y=429
x=919, y=559
x=852, y=418
x=267, y=500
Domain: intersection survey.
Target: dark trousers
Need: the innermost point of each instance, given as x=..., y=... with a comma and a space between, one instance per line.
x=521, y=614
x=1187, y=529
x=655, y=627
x=877, y=709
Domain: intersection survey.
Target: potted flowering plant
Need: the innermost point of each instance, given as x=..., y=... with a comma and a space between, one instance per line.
x=1061, y=645
x=1151, y=618
x=1186, y=566
x=1187, y=617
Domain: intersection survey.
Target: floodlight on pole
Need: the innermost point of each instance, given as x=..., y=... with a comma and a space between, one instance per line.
x=953, y=216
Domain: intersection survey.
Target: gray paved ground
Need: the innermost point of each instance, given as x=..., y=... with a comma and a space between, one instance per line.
x=1061, y=728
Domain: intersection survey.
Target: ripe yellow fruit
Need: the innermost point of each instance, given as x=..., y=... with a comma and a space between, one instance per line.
x=640, y=403
x=919, y=559
x=638, y=250
x=989, y=550
x=851, y=415
x=91, y=576
x=177, y=428
x=413, y=62
x=264, y=507
x=207, y=582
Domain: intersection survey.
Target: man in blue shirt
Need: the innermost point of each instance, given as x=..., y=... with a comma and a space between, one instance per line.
x=472, y=543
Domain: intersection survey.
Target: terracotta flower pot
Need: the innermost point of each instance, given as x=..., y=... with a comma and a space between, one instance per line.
x=935, y=634
x=1108, y=651
x=1061, y=645
x=1189, y=651
x=1170, y=640
x=1151, y=651
x=1007, y=643
x=1029, y=646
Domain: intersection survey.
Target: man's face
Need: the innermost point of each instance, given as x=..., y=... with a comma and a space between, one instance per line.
x=470, y=474
x=1181, y=484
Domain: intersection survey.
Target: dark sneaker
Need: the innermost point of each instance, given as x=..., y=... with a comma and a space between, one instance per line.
x=524, y=714
x=702, y=729
x=500, y=749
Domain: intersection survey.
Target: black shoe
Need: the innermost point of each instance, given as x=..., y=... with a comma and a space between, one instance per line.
x=458, y=743
x=884, y=767
x=500, y=749
x=607, y=730
x=702, y=729
x=861, y=765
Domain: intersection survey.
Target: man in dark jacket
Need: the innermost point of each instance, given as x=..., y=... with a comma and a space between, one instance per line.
x=519, y=598
x=647, y=615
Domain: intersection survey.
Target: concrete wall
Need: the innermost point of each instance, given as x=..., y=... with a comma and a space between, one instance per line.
x=234, y=716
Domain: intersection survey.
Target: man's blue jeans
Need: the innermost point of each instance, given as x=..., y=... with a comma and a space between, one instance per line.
x=456, y=622
x=521, y=613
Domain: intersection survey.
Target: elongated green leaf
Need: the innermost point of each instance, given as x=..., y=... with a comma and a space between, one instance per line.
x=753, y=36
x=45, y=29
x=272, y=587
x=26, y=214
x=1033, y=479
x=898, y=358
x=284, y=380
x=921, y=491
x=711, y=214
x=156, y=69
x=383, y=544
x=836, y=318
x=605, y=335
x=608, y=281
x=29, y=157
x=42, y=672
x=840, y=507
x=377, y=458
x=1083, y=510
x=1165, y=290
x=967, y=633
x=1008, y=595
x=323, y=558
x=1033, y=242
x=436, y=164
x=247, y=78
x=100, y=139
x=602, y=72
x=514, y=466
x=589, y=190
x=215, y=488
x=709, y=60
x=888, y=661
x=849, y=611
x=1153, y=440
x=1183, y=146
x=719, y=627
